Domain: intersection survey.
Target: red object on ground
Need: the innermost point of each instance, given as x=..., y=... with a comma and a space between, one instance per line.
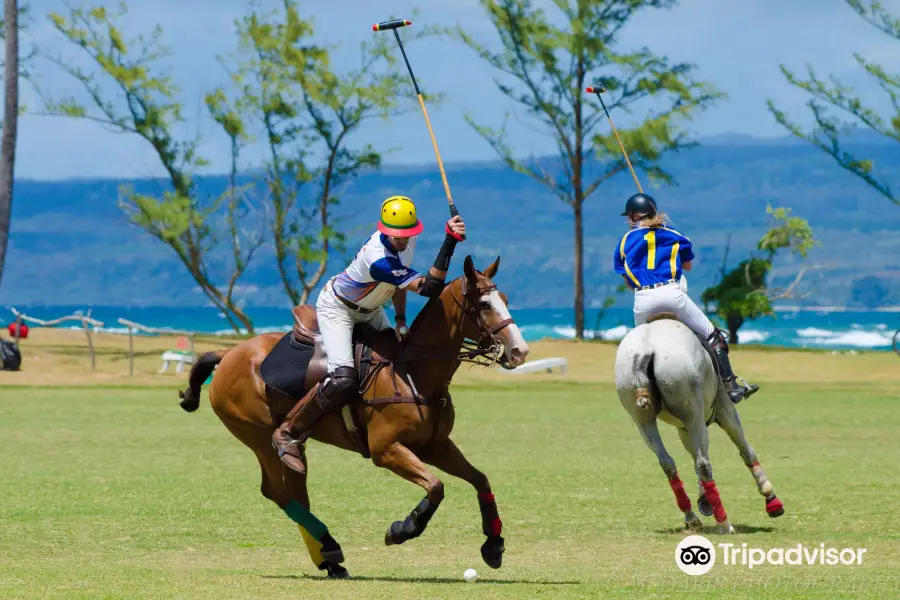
x=23, y=330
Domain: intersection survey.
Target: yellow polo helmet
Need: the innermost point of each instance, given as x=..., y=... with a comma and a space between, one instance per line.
x=398, y=217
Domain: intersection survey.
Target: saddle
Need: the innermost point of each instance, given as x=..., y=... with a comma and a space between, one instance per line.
x=298, y=363
x=306, y=336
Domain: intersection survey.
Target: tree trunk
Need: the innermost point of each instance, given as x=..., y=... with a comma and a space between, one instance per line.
x=10, y=122
x=734, y=322
x=579, y=270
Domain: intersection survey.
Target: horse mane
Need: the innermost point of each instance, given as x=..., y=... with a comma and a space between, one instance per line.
x=428, y=308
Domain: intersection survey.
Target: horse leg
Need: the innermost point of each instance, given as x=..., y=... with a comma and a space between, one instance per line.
x=650, y=432
x=703, y=504
x=289, y=493
x=698, y=438
x=323, y=549
x=399, y=459
x=446, y=456
x=728, y=419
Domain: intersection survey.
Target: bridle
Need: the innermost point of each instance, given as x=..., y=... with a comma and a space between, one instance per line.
x=488, y=346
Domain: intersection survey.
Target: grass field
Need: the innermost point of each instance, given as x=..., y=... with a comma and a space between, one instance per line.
x=114, y=492
x=109, y=491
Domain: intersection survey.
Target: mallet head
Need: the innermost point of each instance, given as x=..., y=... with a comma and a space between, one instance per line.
x=395, y=24
x=596, y=89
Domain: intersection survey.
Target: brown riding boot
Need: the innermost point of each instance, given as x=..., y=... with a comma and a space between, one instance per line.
x=290, y=438
x=335, y=391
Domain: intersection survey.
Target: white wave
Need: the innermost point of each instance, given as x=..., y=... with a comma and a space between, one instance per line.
x=815, y=332
x=752, y=335
x=858, y=339
x=616, y=333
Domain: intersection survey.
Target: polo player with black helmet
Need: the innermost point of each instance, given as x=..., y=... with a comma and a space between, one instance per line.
x=380, y=272
x=651, y=258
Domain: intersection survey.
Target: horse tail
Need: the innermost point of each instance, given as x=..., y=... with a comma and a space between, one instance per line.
x=200, y=370
x=644, y=380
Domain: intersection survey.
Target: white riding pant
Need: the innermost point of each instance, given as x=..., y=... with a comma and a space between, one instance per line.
x=671, y=298
x=336, y=321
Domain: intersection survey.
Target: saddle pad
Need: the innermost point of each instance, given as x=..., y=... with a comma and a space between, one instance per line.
x=284, y=369
x=705, y=343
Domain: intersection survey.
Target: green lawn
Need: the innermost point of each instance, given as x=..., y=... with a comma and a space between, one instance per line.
x=117, y=493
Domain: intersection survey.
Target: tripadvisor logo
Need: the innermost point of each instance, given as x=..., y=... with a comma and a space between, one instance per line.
x=696, y=555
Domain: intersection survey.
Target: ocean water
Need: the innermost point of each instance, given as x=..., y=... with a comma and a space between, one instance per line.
x=838, y=330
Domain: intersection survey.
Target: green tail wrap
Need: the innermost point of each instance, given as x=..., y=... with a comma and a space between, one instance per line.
x=300, y=515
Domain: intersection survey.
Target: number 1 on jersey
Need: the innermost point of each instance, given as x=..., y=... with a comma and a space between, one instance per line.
x=651, y=250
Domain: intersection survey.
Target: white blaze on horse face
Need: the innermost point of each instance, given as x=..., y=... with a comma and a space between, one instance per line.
x=513, y=342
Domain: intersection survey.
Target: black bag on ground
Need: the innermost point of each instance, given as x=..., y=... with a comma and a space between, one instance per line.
x=10, y=357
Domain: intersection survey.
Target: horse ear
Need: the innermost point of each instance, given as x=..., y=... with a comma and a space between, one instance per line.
x=492, y=269
x=469, y=268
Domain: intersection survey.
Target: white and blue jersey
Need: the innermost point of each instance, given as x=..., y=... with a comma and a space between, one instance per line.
x=376, y=271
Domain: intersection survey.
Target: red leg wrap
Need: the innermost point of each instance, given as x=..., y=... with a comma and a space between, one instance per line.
x=712, y=494
x=497, y=526
x=774, y=505
x=681, y=497
x=489, y=497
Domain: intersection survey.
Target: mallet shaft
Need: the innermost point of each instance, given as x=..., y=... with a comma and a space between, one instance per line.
x=437, y=153
x=598, y=91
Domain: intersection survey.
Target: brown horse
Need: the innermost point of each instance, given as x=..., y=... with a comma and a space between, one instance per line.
x=404, y=417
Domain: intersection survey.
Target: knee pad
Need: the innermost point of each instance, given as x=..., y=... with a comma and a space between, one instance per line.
x=338, y=389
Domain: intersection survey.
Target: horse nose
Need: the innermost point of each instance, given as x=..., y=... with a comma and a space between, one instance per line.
x=518, y=353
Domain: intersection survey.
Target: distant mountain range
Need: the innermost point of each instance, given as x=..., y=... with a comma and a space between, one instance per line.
x=71, y=245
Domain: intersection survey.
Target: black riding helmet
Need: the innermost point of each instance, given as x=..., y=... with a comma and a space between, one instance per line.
x=641, y=204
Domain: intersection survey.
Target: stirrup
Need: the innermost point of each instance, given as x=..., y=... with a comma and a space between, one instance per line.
x=750, y=389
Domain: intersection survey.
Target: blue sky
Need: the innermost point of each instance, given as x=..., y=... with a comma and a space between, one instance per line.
x=736, y=44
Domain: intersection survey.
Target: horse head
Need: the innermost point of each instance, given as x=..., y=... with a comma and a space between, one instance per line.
x=485, y=317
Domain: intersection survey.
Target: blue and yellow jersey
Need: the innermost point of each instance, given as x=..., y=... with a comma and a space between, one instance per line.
x=652, y=255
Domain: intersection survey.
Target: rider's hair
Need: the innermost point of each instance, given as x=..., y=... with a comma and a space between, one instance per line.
x=660, y=219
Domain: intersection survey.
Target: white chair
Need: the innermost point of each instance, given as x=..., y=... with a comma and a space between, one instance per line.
x=178, y=357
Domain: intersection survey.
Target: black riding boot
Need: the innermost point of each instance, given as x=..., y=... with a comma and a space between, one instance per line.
x=333, y=393
x=735, y=390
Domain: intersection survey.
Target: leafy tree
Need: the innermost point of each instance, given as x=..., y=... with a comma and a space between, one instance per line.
x=286, y=94
x=545, y=63
x=832, y=95
x=144, y=103
x=746, y=292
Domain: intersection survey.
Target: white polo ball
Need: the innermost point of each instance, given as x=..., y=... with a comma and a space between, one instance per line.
x=470, y=575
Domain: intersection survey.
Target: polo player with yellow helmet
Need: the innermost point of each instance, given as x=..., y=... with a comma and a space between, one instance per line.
x=380, y=272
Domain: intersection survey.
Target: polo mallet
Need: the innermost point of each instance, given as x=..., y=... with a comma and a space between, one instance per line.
x=395, y=25
x=600, y=90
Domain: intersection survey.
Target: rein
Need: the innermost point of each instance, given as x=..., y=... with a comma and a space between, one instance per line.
x=485, y=351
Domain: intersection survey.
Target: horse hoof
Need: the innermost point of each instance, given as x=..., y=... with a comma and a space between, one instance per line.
x=774, y=507
x=704, y=506
x=695, y=525
x=331, y=550
x=492, y=551
x=334, y=571
x=394, y=535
